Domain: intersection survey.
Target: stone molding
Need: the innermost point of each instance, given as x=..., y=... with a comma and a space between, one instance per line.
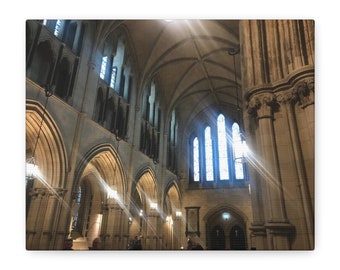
x=261, y=103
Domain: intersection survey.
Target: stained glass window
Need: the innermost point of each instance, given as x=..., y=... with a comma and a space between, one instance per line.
x=113, y=77
x=58, y=28
x=103, y=67
x=209, y=167
x=238, y=151
x=222, y=148
x=196, y=160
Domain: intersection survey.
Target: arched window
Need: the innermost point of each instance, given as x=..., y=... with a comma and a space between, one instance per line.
x=59, y=27
x=62, y=79
x=77, y=202
x=217, y=153
x=42, y=64
x=172, y=142
x=103, y=68
x=151, y=120
x=196, y=160
x=209, y=167
x=113, y=77
x=222, y=148
x=238, y=151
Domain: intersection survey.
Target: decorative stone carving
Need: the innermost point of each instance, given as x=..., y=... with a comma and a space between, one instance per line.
x=305, y=92
x=42, y=192
x=253, y=105
x=261, y=106
x=287, y=97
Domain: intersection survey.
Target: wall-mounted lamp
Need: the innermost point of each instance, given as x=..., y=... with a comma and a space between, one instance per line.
x=31, y=166
x=153, y=206
x=178, y=213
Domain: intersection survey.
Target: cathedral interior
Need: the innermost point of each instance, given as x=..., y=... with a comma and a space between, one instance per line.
x=156, y=134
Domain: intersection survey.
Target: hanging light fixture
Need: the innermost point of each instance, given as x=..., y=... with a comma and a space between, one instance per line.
x=233, y=52
x=31, y=166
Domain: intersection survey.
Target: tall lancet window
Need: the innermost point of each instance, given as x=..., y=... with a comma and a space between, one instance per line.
x=196, y=160
x=209, y=167
x=238, y=151
x=222, y=148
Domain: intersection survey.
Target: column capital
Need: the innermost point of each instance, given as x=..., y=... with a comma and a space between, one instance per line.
x=45, y=192
x=287, y=97
x=262, y=105
x=304, y=91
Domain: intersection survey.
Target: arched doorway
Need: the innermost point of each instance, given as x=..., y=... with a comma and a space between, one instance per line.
x=217, y=238
x=225, y=229
x=237, y=238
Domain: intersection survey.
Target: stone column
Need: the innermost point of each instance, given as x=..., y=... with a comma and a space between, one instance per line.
x=55, y=204
x=151, y=239
x=276, y=222
x=36, y=212
x=280, y=54
x=41, y=226
x=111, y=226
x=304, y=92
x=301, y=94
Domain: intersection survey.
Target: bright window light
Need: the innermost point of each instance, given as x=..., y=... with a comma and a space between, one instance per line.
x=225, y=216
x=222, y=148
x=103, y=67
x=208, y=155
x=196, y=160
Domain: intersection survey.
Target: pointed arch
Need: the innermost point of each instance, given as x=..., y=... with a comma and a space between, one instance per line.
x=49, y=152
x=103, y=161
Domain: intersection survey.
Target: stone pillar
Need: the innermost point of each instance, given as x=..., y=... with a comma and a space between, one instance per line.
x=44, y=212
x=304, y=92
x=302, y=95
x=55, y=204
x=151, y=239
x=35, y=213
x=276, y=222
x=111, y=226
x=280, y=54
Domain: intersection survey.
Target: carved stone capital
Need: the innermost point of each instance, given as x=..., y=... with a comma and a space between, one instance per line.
x=253, y=105
x=287, y=97
x=44, y=192
x=304, y=92
x=262, y=105
x=36, y=193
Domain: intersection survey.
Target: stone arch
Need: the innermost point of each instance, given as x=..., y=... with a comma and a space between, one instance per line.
x=172, y=216
x=172, y=191
x=144, y=208
x=101, y=180
x=48, y=149
x=43, y=63
x=106, y=162
x=44, y=193
x=145, y=185
x=224, y=217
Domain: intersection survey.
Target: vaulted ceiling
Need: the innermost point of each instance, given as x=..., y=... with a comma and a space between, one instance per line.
x=192, y=61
